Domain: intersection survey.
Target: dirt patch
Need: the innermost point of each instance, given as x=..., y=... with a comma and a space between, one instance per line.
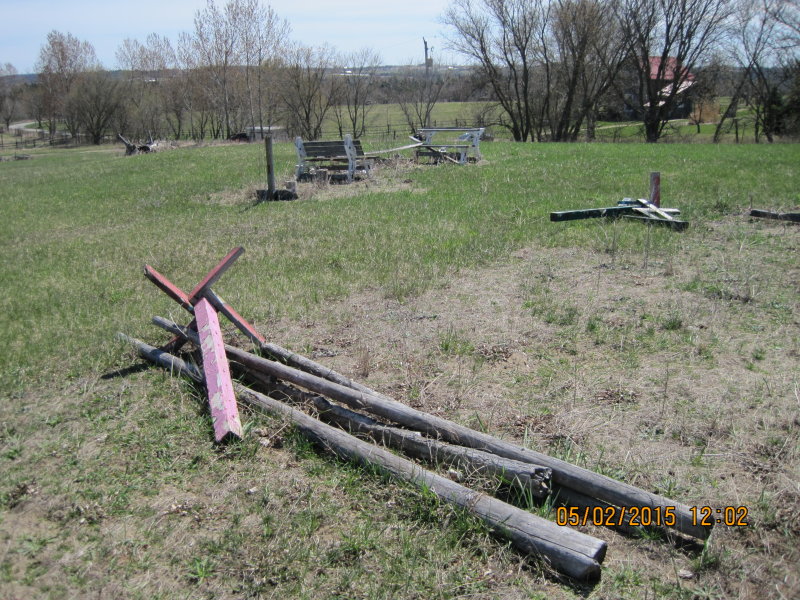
x=660, y=376
x=638, y=373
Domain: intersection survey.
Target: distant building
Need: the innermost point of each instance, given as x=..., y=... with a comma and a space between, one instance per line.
x=664, y=78
x=259, y=133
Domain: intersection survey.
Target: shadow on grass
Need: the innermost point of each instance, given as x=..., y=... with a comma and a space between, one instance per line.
x=132, y=370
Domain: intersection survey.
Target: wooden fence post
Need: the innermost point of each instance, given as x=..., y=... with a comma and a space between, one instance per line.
x=655, y=188
x=270, y=169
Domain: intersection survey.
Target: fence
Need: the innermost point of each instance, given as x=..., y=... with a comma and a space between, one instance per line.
x=21, y=139
x=390, y=132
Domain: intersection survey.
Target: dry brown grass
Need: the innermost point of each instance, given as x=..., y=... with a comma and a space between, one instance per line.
x=637, y=373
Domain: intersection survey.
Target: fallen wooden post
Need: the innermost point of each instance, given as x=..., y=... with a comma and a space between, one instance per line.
x=594, y=213
x=564, y=474
x=568, y=551
x=768, y=214
x=532, y=479
x=221, y=401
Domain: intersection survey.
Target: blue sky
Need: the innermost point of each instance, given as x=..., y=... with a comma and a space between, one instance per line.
x=394, y=29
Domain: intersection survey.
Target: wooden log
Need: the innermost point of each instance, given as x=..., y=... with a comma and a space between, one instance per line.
x=768, y=214
x=564, y=474
x=568, y=551
x=221, y=401
x=567, y=497
x=533, y=480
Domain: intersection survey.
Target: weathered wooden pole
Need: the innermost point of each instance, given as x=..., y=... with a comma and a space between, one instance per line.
x=564, y=474
x=768, y=214
x=532, y=479
x=655, y=188
x=270, y=168
x=568, y=551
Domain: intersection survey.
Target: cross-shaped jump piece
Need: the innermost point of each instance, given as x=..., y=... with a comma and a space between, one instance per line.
x=203, y=303
x=203, y=290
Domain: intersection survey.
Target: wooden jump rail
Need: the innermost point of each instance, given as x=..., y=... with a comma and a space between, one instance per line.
x=565, y=474
x=339, y=156
x=204, y=304
x=573, y=553
x=304, y=383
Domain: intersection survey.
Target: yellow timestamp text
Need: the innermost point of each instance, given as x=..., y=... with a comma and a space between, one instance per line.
x=707, y=516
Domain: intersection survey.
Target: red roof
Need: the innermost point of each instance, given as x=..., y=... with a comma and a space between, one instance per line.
x=669, y=70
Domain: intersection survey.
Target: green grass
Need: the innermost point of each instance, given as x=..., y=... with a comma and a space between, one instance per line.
x=79, y=226
x=121, y=477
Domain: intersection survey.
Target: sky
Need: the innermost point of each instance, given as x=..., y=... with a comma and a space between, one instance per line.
x=394, y=29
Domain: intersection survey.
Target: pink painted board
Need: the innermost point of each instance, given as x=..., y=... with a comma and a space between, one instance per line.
x=215, y=273
x=221, y=400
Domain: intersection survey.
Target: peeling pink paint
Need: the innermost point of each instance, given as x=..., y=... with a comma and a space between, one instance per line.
x=221, y=400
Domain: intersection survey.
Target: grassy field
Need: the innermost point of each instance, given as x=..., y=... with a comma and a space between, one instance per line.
x=668, y=360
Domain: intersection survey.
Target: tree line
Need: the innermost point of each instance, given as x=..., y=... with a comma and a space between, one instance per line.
x=547, y=69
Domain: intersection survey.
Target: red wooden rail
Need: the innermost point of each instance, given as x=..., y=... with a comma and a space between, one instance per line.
x=203, y=290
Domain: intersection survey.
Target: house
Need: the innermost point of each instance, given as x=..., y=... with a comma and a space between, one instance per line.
x=663, y=79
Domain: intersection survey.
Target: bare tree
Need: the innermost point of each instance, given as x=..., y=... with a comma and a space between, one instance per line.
x=588, y=54
x=216, y=46
x=549, y=62
x=356, y=91
x=148, y=88
x=61, y=60
x=263, y=34
x=94, y=100
x=759, y=46
x=418, y=93
x=33, y=101
x=787, y=13
x=500, y=36
x=704, y=94
x=307, y=89
x=668, y=40
x=10, y=93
